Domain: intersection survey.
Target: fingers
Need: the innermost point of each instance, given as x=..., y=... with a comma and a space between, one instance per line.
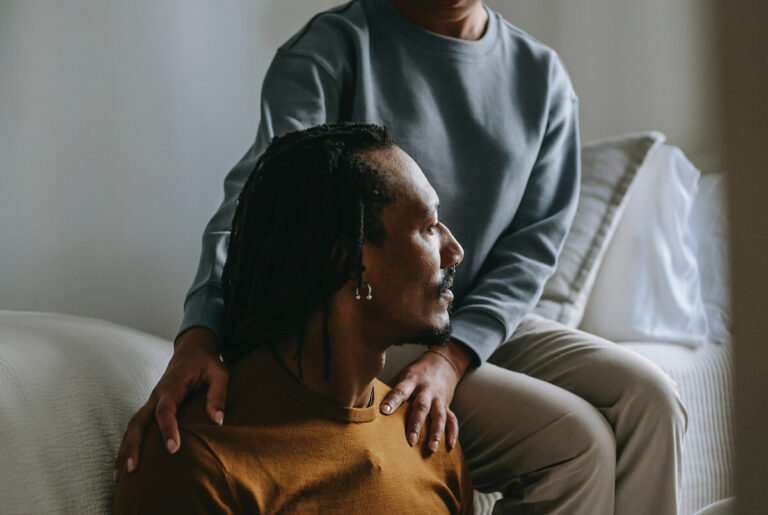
x=397, y=396
x=216, y=398
x=451, y=429
x=128, y=454
x=419, y=409
x=165, y=414
x=437, y=427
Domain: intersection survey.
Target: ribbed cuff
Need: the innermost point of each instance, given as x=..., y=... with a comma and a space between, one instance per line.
x=481, y=332
x=203, y=307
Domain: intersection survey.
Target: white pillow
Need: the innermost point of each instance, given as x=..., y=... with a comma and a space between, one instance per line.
x=609, y=168
x=709, y=224
x=648, y=287
x=68, y=386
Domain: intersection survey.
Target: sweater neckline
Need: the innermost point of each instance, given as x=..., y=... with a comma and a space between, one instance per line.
x=390, y=15
x=265, y=361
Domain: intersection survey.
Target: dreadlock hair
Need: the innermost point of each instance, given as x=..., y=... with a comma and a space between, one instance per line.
x=298, y=232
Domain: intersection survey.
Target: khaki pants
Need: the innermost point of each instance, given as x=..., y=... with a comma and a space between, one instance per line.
x=561, y=421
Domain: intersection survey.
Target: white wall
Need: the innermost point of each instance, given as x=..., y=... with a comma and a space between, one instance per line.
x=118, y=121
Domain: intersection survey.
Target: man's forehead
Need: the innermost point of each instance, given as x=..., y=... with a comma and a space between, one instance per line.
x=404, y=176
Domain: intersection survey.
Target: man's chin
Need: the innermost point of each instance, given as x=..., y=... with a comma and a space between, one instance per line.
x=433, y=336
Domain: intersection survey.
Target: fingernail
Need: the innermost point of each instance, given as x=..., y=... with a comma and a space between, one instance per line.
x=219, y=417
x=130, y=465
x=386, y=408
x=433, y=445
x=413, y=438
x=171, y=445
x=453, y=443
x=114, y=476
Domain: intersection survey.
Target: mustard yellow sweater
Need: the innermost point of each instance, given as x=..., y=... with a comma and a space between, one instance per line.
x=286, y=449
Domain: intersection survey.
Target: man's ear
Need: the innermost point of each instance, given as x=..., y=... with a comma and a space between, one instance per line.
x=368, y=259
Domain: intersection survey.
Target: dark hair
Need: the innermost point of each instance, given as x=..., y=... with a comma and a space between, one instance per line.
x=297, y=234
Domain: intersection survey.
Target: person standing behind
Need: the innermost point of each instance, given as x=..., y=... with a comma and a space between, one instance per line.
x=557, y=420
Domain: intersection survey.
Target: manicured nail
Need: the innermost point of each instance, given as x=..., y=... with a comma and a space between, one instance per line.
x=433, y=445
x=219, y=417
x=114, y=476
x=130, y=465
x=386, y=408
x=171, y=445
x=413, y=438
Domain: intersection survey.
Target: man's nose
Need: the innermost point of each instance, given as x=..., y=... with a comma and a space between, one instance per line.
x=452, y=254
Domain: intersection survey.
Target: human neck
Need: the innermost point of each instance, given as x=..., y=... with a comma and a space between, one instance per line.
x=468, y=24
x=354, y=363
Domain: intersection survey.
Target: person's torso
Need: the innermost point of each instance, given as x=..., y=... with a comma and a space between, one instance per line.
x=471, y=113
x=287, y=450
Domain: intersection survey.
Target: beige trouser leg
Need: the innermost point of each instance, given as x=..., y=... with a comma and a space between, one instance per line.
x=561, y=421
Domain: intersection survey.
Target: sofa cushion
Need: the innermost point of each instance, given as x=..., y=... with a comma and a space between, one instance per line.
x=648, y=287
x=68, y=386
x=608, y=171
x=709, y=222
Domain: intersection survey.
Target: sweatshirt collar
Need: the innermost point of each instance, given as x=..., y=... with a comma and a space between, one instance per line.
x=385, y=12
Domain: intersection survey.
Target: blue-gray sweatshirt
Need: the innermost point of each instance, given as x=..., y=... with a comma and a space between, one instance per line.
x=492, y=123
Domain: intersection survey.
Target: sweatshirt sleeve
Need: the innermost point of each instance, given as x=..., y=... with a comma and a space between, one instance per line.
x=297, y=93
x=524, y=256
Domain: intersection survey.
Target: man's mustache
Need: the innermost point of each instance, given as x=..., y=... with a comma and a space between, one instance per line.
x=447, y=281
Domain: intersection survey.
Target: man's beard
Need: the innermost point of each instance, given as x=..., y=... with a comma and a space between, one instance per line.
x=447, y=281
x=434, y=336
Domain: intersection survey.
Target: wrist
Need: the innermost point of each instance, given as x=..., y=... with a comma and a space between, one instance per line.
x=458, y=355
x=198, y=337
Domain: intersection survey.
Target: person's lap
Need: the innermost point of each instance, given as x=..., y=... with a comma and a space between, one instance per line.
x=539, y=421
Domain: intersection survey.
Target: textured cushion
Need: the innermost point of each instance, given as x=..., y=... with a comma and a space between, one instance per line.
x=709, y=223
x=704, y=379
x=648, y=287
x=68, y=386
x=608, y=170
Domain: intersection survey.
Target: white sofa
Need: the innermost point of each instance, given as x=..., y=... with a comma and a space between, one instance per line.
x=68, y=385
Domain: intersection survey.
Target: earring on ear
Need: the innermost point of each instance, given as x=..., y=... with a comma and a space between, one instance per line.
x=367, y=297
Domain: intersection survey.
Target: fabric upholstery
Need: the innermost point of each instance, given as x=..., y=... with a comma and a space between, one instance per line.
x=68, y=386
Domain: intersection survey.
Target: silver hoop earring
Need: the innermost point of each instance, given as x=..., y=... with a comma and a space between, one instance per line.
x=367, y=297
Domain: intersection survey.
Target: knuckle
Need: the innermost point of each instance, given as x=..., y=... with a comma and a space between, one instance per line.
x=421, y=405
x=163, y=411
x=399, y=392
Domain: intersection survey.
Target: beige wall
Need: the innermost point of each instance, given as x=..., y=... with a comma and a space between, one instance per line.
x=636, y=65
x=119, y=119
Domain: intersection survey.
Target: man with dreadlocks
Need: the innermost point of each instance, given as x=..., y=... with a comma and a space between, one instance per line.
x=336, y=254
x=490, y=115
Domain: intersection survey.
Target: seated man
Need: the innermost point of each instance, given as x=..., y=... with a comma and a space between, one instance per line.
x=336, y=254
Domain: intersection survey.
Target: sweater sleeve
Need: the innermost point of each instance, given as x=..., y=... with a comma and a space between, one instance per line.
x=191, y=481
x=297, y=93
x=524, y=256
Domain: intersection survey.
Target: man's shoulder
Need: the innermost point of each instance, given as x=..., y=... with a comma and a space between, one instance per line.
x=193, y=478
